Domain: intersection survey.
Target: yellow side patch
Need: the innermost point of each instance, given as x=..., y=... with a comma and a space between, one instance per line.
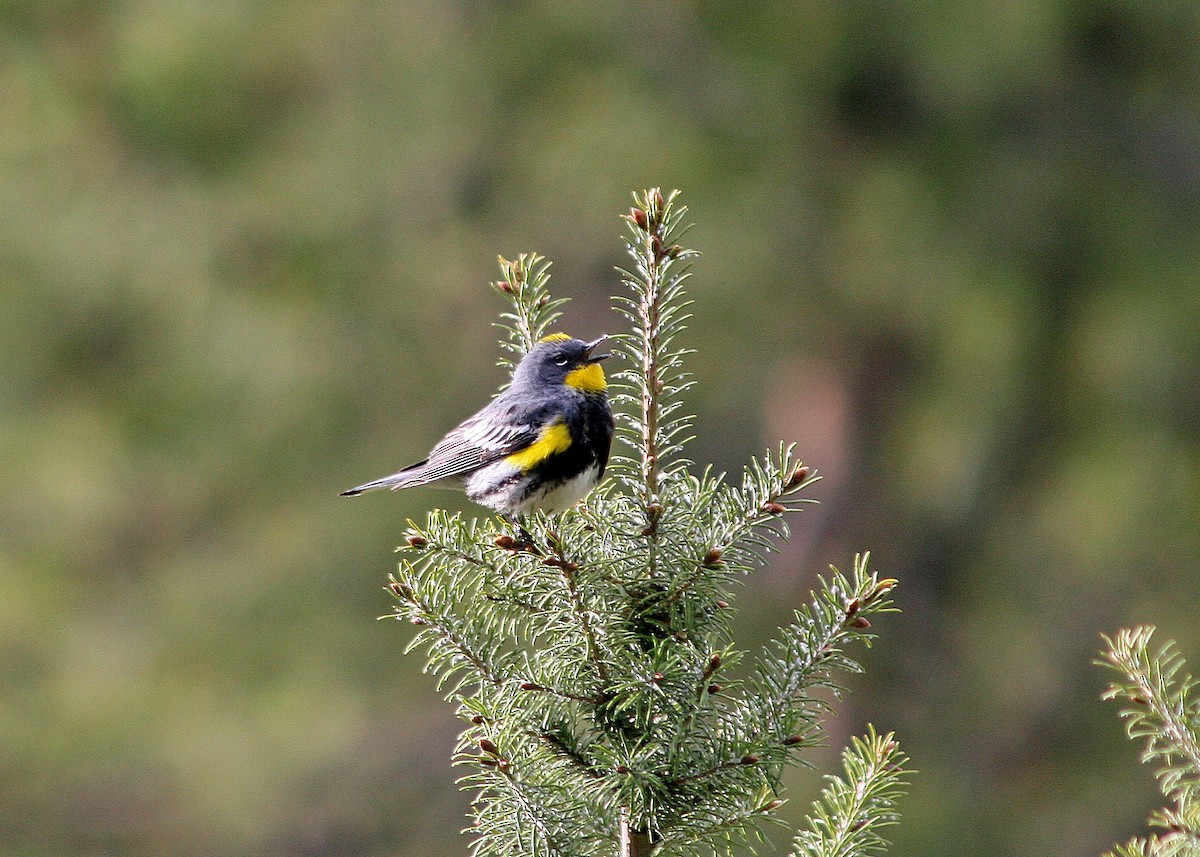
x=555, y=438
x=555, y=337
x=588, y=378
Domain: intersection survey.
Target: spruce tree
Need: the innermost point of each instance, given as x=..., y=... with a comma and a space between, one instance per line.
x=607, y=708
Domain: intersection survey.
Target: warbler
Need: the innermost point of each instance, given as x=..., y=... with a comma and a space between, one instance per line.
x=542, y=443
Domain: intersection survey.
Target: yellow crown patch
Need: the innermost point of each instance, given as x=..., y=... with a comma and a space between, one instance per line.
x=555, y=337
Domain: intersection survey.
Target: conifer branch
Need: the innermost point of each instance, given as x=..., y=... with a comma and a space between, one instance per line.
x=847, y=818
x=514, y=601
x=650, y=225
x=420, y=540
x=1162, y=708
x=1162, y=711
x=533, y=832
x=658, y=316
x=535, y=687
x=766, y=487
x=442, y=634
x=715, y=769
x=809, y=650
x=581, y=615
x=715, y=661
x=526, y=284
x=725, y=828
x=752, y=519
x=571, y=755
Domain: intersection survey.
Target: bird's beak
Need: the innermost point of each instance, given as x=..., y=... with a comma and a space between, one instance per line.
x=589, y=355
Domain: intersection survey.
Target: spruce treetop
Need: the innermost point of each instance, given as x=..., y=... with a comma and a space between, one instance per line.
x=606, y=707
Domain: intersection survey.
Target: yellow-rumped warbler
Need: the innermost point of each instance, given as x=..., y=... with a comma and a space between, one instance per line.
x=541, y=444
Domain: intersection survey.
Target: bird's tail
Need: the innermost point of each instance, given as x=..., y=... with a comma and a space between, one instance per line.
x=411, y=475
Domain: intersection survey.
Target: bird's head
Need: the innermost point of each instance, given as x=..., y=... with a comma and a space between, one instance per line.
x=560, y=359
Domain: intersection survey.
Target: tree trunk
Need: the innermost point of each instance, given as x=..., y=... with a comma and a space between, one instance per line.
x=634, y=843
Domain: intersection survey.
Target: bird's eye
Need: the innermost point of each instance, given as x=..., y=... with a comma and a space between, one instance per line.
x=561, y=360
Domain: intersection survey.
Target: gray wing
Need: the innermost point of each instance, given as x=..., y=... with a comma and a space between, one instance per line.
x=489, y=435
x=500, y=429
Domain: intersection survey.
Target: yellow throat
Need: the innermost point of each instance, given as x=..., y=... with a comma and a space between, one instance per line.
x=588, y=378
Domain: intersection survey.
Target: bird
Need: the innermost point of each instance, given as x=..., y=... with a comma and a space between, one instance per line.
x=540, y=444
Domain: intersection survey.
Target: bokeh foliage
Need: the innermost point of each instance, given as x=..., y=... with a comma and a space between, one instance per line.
x=950, y=249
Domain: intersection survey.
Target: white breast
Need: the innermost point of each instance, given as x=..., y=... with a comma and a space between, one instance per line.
x=565, y=495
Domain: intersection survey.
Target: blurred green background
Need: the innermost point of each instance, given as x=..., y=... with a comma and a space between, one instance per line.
x=951, y=249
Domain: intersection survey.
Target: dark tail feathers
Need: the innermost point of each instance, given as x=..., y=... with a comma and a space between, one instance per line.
x=410, y=475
